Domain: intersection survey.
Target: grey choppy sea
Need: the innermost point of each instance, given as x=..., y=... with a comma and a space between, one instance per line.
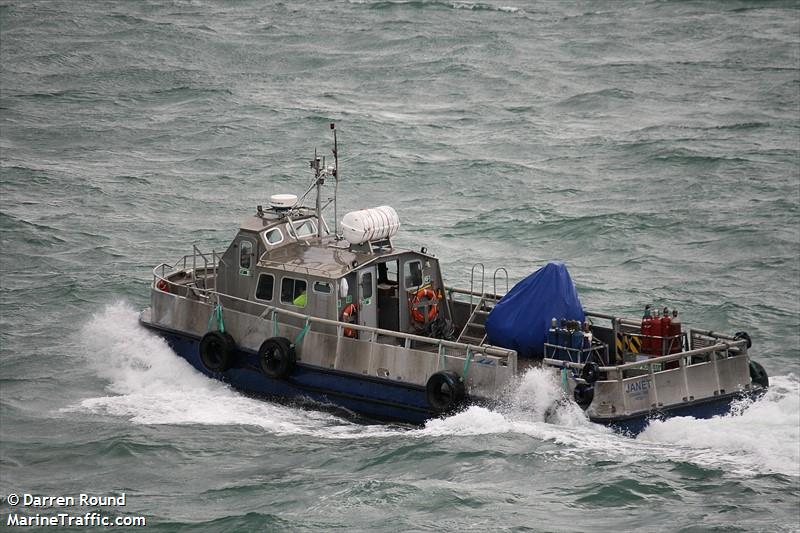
x=654, y=146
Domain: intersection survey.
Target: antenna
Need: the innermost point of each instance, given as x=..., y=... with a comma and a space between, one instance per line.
x=336, y=185
x=319, y=180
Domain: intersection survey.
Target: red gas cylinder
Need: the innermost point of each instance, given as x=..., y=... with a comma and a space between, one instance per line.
x=647, y=331
x=656, y=344
x=669, y=342
x=675, y=331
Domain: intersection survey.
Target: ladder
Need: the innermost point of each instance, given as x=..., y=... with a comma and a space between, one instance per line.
x=474, y=331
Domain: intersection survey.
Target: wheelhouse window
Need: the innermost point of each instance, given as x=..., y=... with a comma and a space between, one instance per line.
x=366, y=285
x=304, y=228
x=322, y=287
x=412, y=273
x=293, y=291
x=245, y=254
x=273, y=236
x=387, y=273
x=266, y=283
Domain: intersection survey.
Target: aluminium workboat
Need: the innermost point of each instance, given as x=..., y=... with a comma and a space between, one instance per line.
x=293, y=310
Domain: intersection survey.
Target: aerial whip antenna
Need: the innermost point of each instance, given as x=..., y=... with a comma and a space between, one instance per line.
x=319, y=180
x=336, y=185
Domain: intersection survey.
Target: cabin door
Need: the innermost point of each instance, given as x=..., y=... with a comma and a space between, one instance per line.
x=367, y=301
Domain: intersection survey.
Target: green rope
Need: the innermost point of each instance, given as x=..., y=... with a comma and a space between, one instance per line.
x=216, y=315
x=274, y=323
x=441, y=356
x=302, y=332
x=467, y=362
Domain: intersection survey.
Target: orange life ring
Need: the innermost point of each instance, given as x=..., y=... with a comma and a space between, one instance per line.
x=162, y=285
x=350, y=315
x=433, y=307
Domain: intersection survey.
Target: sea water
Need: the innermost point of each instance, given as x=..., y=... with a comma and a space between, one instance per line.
x=652, y=146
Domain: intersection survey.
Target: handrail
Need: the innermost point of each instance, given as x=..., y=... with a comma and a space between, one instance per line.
x=600, y=349
x=487, y=350
x=492, y=351
x=653, y=360
x=494, y=280
x=468, y=292
x=472, y=284
x=713, y=334
x=600, y=315
x=638, y=323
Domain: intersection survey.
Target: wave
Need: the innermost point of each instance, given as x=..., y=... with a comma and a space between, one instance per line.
x=149, y=384
x=593, y=98
x=421, y=4
x=763, y=433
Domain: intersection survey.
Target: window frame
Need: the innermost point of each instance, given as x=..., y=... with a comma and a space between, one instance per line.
x=324, y=293
x=258, y=282
x=361, y=278
x=266, y=240
x=300, y=223
x=407, y=265
x=291, y=302
x=250, y=255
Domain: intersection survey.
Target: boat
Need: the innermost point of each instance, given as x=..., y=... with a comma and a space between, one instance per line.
x=343, y=318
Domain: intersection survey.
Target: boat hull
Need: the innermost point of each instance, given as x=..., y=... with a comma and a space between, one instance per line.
x=702, y=409
x=385, y=400
x=374, y=398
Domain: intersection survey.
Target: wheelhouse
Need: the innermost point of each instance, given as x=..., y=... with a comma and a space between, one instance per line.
x=280, y=259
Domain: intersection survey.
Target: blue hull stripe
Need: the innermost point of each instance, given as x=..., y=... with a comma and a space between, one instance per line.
x=707, y=408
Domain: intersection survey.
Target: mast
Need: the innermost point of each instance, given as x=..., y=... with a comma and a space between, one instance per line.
x=319, y=179
x=320, y=171
x=336, y=183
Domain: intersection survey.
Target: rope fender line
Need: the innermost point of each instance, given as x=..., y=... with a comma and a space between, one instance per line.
x=467, y=362
x=302, y=332
x=216, y=315
x=441, y=356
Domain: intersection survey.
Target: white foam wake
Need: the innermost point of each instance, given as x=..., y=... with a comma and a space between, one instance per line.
x=756, y=437
x=762, y=434
x=149, y=384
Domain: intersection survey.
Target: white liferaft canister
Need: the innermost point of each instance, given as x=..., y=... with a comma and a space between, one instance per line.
x=368, y=225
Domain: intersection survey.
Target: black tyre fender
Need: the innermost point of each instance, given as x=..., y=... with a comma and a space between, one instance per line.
x=584, y=394
x=590, y=372
x=217, y=351
x=445, y=391
x=277, y=357
x=742, y=335
x=758, y=375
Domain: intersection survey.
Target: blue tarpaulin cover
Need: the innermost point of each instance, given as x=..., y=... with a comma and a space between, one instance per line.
x=520, y=320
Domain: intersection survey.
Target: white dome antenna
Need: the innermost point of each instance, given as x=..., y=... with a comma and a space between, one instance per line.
x=282, y=202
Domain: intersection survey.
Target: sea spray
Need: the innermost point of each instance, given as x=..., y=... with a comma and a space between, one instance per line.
x=150, y=384
x=757, y=436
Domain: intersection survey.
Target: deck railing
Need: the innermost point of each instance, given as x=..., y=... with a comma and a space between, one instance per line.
x=501, y=355
x=598, y=352
x=709, y=354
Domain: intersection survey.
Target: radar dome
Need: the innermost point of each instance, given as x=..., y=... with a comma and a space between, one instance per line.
x=282, y=201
